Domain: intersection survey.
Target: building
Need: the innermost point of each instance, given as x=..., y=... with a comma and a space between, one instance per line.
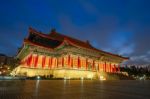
x=63, y=56
x=6, y=64
x=6, y=61
x=2, y=59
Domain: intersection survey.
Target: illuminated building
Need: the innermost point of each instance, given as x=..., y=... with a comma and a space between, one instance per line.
x=63, y=56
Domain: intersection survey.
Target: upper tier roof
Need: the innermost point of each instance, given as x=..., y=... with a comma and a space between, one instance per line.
x=55, y=39
x=61, y=37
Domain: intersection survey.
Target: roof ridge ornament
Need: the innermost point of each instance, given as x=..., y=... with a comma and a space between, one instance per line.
x=32, y=30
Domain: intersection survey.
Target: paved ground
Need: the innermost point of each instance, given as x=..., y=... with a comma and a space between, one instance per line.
x=74, y=89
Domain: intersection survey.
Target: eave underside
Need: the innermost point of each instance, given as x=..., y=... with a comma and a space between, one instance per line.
x=67, y=49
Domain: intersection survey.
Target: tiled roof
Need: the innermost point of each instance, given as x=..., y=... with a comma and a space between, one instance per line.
x=54, y=39
x=61, y=37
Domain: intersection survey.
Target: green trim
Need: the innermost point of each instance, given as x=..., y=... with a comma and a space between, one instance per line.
x=25, y=51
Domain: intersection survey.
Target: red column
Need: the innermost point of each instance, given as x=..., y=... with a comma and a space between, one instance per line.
x=105, y=67
x=62, y=61
x=118, y=68
x=30, y=60
x=27, y=61
x=72, y=62
x=93, y=65
x=102, y=66
x=98, y=69
x=69, y=61
x=78, y=62
x=57, y=62
x=43, y=61
x=110, y=68
x=36, y=61
x=50, y=62
x=86, y=63
x=99, y=66
x=114, y=68
x=22, y=62
x=33, y=60
x=53, y=62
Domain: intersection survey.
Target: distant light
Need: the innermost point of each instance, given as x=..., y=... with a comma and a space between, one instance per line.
x=102, y=78
x=82, y=78
x=90, y=76
x=65, y=78
x=38, y=77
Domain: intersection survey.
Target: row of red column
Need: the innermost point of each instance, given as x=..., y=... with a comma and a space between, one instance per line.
x=108, y=67
x=32, y=61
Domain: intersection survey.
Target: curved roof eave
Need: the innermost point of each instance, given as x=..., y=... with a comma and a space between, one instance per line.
x=31, y=30
x=35, y=44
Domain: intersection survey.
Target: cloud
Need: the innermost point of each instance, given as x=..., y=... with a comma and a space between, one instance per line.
x=126, y=41
x=139, y=60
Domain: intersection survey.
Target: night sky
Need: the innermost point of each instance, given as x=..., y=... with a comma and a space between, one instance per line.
x=117, y=26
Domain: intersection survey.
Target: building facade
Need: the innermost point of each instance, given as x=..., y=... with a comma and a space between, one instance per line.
x=63, y=56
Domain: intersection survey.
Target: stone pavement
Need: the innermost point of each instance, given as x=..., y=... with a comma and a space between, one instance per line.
x=74, y=89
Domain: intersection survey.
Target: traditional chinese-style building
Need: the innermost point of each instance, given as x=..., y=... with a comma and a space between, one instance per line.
x=63, y=56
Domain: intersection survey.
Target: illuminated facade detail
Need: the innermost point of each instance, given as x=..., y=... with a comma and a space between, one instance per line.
x=63, y=56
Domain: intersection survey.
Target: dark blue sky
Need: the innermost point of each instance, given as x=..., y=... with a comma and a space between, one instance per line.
x=117, y=26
